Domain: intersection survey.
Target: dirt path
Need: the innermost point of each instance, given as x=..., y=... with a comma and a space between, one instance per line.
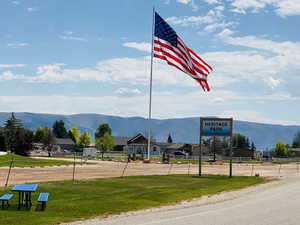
x=104, y=169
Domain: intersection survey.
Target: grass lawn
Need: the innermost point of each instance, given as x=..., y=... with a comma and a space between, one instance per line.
x=87, y=199
x=21, y=161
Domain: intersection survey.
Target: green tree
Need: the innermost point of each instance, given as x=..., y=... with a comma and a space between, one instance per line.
x=105, y=143
x=170, y=140
x=85, y=140
x=16, y=138
x=74, y=134
x=253, y=148
x=10, y=127
x=13, y=123
x=281, y=149
x=240, y=141
x=296, y=140
x=59, y=129
x=2, y=142
x=40, y=134
x=48, y=140
x=101, y=130
x=24, y=141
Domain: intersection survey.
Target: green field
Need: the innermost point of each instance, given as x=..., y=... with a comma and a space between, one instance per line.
x=21, y=161
x=87, y=199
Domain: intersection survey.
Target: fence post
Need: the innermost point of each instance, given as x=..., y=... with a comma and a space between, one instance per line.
x=170, y=168
x=125, y=168
x=189, y=167
x=74, y=167
x=10, y=165
x=252, y=170
x=279, y=169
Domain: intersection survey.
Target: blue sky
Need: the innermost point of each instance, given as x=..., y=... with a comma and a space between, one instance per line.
x=63, y=56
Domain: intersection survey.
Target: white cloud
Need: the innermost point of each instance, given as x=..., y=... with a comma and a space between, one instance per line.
x=118, y=70
x=32, y=9
x=288, y=7
x=143, y=46
x=213, y=20
x=225, y=33
x=68, y=32
x=211, y=17
x=11, y=65
x=217, y=103
x=212, y=1
x=184, y=1
x=5, y=76
x=220, y=8
x=15, y=45
x=191, y=20
x=282, y=7
x=73, y=38
x=212, y=27
x=275, y=63
x=273, y=82
x=128, y=92
x=254, y=5
x=190, y=2
x=280, y=48
x=266, y=66
x=15, y=3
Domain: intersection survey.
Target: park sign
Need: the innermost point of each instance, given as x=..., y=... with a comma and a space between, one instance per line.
x=216, y=126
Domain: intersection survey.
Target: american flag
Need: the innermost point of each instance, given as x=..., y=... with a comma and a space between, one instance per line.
x=168, y=46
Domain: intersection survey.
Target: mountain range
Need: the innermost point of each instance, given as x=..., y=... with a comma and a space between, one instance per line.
x=182, y=130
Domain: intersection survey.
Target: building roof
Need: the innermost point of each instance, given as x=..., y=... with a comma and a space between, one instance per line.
x=162, y=144
x=135, y=137
x=175, y=146
x=64, y=141
x=294, y=149
x=121, y=140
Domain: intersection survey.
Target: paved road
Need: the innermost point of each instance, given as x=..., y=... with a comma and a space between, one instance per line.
x=276, y=204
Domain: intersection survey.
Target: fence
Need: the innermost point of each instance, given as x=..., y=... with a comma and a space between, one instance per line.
x=29, y=170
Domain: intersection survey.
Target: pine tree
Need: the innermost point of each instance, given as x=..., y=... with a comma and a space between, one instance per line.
x=12, y=123
x=101, y=130
x=170, y=140
x=59, y=129
x=11, y=127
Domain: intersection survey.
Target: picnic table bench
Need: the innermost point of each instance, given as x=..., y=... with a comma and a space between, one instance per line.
x=25, y=191
x=43, y=199
x=5, y=198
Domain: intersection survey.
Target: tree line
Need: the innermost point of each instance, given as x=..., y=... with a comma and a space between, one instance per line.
x=282, y=149
x=19, y=140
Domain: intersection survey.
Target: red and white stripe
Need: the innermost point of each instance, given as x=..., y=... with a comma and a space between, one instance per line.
x=183, y=59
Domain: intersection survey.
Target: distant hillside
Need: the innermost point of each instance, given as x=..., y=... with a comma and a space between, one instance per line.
x=182, y=130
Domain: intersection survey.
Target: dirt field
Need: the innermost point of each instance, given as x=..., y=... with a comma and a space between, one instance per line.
x=103, y=169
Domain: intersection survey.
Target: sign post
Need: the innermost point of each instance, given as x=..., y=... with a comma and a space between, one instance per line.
x=200, y=155
x=216, y=127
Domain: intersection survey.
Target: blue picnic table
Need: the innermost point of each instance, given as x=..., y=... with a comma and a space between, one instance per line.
x=25, y=191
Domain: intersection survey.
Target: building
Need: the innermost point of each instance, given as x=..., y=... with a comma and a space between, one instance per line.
x=64, y=144
x=241, y=152
x=295, y=152
x=90, y=152
x=138, y=144
x=120, y=143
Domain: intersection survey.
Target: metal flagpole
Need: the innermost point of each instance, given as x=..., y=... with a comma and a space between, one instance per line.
x=150, y=89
